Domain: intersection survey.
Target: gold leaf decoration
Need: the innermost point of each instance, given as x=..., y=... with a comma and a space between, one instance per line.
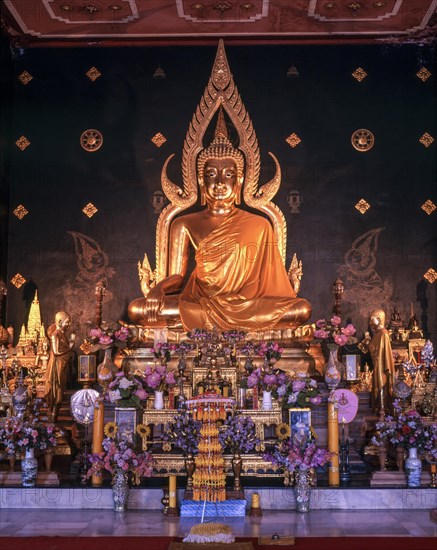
x=20, y=211
x=426, y=139
x=89, y=210
x=362, y=140
x=22, y=143
x=423, y=74
x=25, y=77
x=431, y=275
x=18, y=280
x=93, y=74
x=428, y=207
x=362, y=206
x=158, y=139
x=91, y=140
x=293, y=140
x=360, y=74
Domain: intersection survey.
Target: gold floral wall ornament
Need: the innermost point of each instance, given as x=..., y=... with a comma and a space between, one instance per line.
x=362, y=206
x=363, y=140
x=428, y=206
x=93, y=74
x=25, y=77
x=22, y=143
x=423, y=74
x=426, y=139
x=89, y=210
x=293, y=140
x=431, y=275
x=158, y=139
x=91, y=140
x=20, y=211
x=18, y=280
x=359, y=74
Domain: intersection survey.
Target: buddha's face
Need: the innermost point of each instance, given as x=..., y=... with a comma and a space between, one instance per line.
x=219, y=179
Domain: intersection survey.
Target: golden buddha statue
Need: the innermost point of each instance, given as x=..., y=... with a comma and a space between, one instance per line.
x=240, y=281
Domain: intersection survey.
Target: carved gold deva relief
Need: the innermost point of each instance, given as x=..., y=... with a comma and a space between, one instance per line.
x=89, y=210
x=431, y=275
x=426, y=139
x=22, y=143
x=428, y=207
x=25, y=77
x=359, y=74
x=363, y=140
x=91, y=140
x=93, y=74
x=158, y=139
x=20, y=211
x=293, y=140
x=362, y=206
x=18, y=280
x=423, y=74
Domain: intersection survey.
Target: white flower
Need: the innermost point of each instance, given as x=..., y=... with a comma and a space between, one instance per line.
x=313, y=383
x=292, y=398
x=281, y=390
x=114, y=396
x=125, y=384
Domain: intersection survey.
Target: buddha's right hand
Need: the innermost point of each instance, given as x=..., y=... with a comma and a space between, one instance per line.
x=154, y=304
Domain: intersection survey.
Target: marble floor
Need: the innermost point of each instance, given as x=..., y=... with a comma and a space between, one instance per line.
x=317, y=523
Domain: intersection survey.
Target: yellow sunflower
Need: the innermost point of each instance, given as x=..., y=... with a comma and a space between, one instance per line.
x=143, y=431
x=283, y=431
x=110, y=429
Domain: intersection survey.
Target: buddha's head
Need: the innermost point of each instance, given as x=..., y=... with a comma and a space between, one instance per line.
x=220, y=168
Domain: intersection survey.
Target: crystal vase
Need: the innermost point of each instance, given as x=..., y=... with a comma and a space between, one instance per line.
x=302, y=491
x=267, y=401
x=120, y=490
x=29, y=469
x=158, y=403
x=413, y=468
x=333, y=369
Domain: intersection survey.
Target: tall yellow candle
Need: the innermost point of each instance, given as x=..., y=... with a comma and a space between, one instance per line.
x=99, y=415
x=172, y=491
x=333, y=471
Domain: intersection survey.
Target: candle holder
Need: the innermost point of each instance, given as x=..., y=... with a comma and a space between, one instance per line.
x=86, y=374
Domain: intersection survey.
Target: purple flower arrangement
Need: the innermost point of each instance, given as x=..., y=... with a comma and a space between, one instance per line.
x=271, y=351
x=119, y=455
x=300, y=391
x=16, y=435
x=238, y=434
x=158, y=378
x=183, y=432
x=332, y=332
x=294, y=457
x=126, y=390
x=106, y=336
x=266, y=379
x=406, y=429
x=163, y=351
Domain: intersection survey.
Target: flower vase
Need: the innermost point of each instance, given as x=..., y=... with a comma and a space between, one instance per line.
x=237, y=463
x=267, y=401
x=29, y=468
x=190, y=466
x=333, y=369
x=120, y=490
x=413, y=468
x=158, y=403
x=107, y=370
x=302, y=491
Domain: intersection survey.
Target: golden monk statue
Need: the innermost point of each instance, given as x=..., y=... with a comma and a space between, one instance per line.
x=383, y=364
x=239, y=281
x=57, y=368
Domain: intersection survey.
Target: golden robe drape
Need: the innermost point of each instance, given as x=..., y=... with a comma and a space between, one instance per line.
x=56, y=374
x=383, y=364
x=240, y=280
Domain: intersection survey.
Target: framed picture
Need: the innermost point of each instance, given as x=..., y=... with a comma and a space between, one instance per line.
x=300, y=424
x=127, y=420
x=87, y=368
x=352, y=366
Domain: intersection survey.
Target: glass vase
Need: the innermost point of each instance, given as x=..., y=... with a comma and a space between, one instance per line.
x=158, y=402
x=120, y=490
x=333, y=370
x=413, y=468
x=107, y=370
x=29, y=469
x=267, y=401
x=302, y=491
